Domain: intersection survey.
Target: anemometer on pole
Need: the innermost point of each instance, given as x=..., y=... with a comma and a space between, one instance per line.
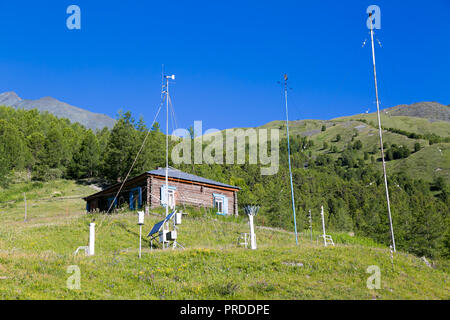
x=374, y=21
x=162, y=230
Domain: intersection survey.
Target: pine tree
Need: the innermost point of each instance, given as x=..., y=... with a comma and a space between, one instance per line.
x=121, y=149
x=54, y=147
x=36, y=145
x=85, y=162
x=12, y=146
x=358, y=145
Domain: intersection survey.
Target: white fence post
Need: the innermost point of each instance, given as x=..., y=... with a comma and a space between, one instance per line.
x=323, y=227
x=252, y=233
x=91, y=239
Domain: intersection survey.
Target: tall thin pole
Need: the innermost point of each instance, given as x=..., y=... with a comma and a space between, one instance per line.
x=167, y=155
x=289, y=157
x=381, y=135
x=167, y=146
x=140, y=240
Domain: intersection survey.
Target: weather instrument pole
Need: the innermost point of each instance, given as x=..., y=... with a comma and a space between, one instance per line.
x=289, y=156
x=167, y=146
x=380, y=131
x=140, y=241
x=252, y=211
x=167, y=142
x=140, y=223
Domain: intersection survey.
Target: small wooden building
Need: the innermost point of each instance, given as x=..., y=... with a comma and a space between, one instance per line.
x=184, y=189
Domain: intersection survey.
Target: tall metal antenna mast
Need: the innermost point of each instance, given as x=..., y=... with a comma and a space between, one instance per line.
x=380, y=132
x=172, y=77
x=289, y=156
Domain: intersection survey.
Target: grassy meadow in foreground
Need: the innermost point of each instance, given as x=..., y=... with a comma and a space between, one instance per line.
x=35, y=255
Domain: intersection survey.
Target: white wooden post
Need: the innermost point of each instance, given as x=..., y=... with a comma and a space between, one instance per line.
x=252, y=233
x=91, y=239
x=323, y=227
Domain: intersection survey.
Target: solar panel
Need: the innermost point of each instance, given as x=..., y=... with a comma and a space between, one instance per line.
x=169, y=216
x=157, y=226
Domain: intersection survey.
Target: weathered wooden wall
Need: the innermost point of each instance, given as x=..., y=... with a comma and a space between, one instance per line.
x=188, y=193
x=191, y=194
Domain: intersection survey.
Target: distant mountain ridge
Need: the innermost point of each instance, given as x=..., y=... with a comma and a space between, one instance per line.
x=59, y=109
x=432, y=111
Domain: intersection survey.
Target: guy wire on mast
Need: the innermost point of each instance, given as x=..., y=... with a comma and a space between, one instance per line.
x=139, y=152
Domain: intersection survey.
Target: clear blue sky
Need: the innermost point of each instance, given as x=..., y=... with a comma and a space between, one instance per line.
x=227, y=56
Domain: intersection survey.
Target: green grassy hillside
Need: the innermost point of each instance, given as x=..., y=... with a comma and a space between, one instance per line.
x=35, y=255
x=427, y=164
x=411, y=124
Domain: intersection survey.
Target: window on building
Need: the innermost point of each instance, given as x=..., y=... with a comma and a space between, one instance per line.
x=218, y=204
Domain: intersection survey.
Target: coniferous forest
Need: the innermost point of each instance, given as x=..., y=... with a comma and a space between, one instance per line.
x=347, y=182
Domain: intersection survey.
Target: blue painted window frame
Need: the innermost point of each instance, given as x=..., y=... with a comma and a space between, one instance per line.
x=216, y=195
x=131, y=198
x=110, y=200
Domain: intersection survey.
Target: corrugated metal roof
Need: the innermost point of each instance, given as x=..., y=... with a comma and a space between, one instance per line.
x=178, y=174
